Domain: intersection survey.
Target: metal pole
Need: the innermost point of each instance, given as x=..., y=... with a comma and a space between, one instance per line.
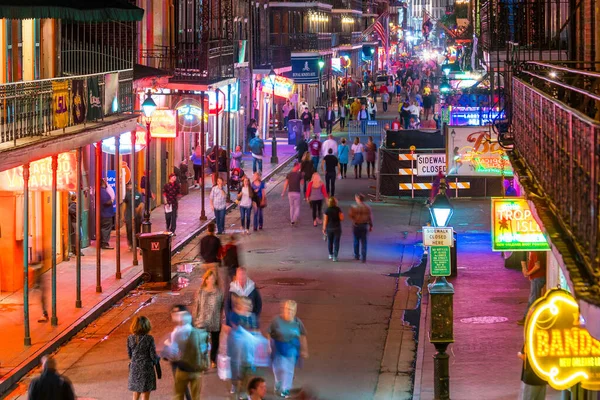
x=250, y=105
x=98, y=206
x=378, y=190
x=274, y=159
x=78, y=205
x=132, y=205
x=441, y=373
x=228, y=140
x=27, y=340
x=146, y=224
x=203, y=151
x=54, y=318
x=118, y=197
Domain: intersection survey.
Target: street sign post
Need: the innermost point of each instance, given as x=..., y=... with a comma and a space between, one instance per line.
x=433, y=236
x=431, y=164
x=439, y=261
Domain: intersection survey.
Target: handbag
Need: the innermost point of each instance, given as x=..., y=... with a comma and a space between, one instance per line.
x=261, y=351
x=168, y=208
x=223, y=367
x=263, y=202
x=157, y=368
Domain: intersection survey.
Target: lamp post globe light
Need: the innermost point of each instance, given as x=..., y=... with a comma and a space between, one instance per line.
x=321, y=64
x=148, y=107
x=272, y=76
x=441, y=210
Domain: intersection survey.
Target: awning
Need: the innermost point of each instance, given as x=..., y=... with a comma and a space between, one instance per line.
x=71, y=10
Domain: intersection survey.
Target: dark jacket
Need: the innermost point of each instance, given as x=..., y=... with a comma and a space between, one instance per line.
x=250, y=291
x=210, y=249
x=301, y=147
x=50, y=386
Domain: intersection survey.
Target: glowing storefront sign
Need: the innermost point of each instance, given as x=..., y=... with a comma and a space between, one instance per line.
x=470, y=153
x=474, y=116
x=559, y=348
x=514, y=228
x=283, y=86
x=40, y=175
x=108, y=144
x=164, y=124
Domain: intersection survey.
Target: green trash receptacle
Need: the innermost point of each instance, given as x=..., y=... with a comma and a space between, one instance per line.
x=156, y=255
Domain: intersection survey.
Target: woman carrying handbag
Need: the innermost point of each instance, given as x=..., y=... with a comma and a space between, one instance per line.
x=144, y=361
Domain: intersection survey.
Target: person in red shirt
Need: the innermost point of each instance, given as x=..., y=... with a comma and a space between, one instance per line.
x=534, y=269
x=315, y=150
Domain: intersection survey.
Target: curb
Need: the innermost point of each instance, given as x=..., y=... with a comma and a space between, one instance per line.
x=9, y=380
x=422, y=337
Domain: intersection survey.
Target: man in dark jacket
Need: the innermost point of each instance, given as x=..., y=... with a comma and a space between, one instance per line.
x=329, y=119
x=107, y=212
x=244, y=287
x=307, y=121
x=301, y=147
x=50, y=385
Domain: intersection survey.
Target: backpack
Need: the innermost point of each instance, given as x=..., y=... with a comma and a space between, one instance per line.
x=255, y=146
x=195, y=357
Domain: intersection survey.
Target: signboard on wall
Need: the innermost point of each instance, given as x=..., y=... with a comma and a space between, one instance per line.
x=305, y=70
x=109, y=144
x=514, y=228
x=559, y=348
x=470, y=153
x=283, y=86
x=474, y=116
x=40, y=175
x=164, y=124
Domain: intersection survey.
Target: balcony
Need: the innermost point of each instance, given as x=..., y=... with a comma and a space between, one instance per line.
x=202, y=63
x=273, y=56
x=347, y=5
x=558, y=150
x=350, y=38
x=305, y=41
x=27, y=107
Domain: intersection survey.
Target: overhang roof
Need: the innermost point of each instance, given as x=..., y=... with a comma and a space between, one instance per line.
x=71, y=10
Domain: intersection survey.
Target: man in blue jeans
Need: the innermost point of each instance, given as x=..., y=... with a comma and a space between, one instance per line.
x=362, y=224
x=257, y=147
x=534, y=269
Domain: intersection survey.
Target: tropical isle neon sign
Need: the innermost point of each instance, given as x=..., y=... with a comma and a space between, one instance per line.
x=514, y=228
x=560, y=350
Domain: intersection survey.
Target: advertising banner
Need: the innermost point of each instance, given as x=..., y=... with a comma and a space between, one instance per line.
x=164, y=124
x=60, y=103
x=78, y=106
x=40, y=175
x=111, y=93
x=94, y=102
x=283, y=86
x=514, y=228
x=470, y=153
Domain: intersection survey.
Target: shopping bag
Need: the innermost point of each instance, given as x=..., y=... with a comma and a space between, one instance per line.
x=224, y=367
x=261, y=351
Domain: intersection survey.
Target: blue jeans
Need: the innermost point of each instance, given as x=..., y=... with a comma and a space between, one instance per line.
x=360, y=240
x=535, y=291
x=256, y=165
x=315, y=160
x=258, y=218
x=333, y=242
x=245, y=216
x=283, y=370
x=363, y=126
x=220, y=220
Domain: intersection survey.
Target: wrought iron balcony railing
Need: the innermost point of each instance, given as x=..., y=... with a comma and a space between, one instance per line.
x=561, y=148
x=273, y=56
x=201, y=62
x=347, y=5
x=26, y=108
x=350, y=38
x=305, y=41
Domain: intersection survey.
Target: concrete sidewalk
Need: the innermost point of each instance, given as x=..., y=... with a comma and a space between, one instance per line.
x=488, y=300
x=16, y=359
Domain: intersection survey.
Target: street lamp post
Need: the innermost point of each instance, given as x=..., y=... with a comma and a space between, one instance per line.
x=320, y=91
x=148, y=107
x=441, y=297
x=274, y=159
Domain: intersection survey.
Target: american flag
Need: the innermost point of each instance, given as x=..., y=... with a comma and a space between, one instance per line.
x=381, y=30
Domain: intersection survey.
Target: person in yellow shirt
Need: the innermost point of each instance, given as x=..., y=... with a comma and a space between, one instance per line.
x=355, y=108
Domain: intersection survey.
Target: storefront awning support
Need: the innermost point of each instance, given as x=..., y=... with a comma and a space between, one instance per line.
x=98, y=221
x=78, y=206
x=118, y=196
x=228, y=140
x=27, y=340
x=134, y=226
x=203, y=150
x=54, y=317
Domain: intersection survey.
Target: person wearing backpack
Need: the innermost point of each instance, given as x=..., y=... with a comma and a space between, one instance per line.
x=188, y=350
x=257, y=146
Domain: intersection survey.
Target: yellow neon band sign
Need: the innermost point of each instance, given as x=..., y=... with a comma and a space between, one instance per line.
x=558, y=348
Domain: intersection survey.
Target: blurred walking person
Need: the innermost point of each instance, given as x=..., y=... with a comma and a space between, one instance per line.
x=236, y=158
x=343, y=152
x=330, y=166
x=242, y=323
x=260, y=199
x=288, y=338
x=315, y=150
x=230, y=258
x=50, y=385
x=197, y=161
x=211, y=253
x=362, y=224
x=245, y=200
x=208, y=305
x=242, y=286
x=39, y=285
x=308, y=169
x=138, y=208
x=171, y=195
x=370, y=156
x=293, y=183
x=315, y=194
x=332, y=227
x=107, y=212
x=141, y=351
x=301, y=147
x=357, y=157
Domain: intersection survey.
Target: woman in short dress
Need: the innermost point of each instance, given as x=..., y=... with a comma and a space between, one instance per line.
x=142, y=353
x=357, y=150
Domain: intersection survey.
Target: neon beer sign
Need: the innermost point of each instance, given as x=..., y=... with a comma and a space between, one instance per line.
x=559, y=348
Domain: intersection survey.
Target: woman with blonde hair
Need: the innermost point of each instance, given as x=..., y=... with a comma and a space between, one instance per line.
x=142, y=353
x=315, y=194
x=332, y=227
x=307, y=168
x=206, y=314
x=288, y=343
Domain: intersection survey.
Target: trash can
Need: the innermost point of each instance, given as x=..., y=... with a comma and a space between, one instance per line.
x=294, y=130
x=156, y=253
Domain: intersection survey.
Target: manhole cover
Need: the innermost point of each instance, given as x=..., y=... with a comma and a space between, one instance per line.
x=262, y=251
x=483, y=320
